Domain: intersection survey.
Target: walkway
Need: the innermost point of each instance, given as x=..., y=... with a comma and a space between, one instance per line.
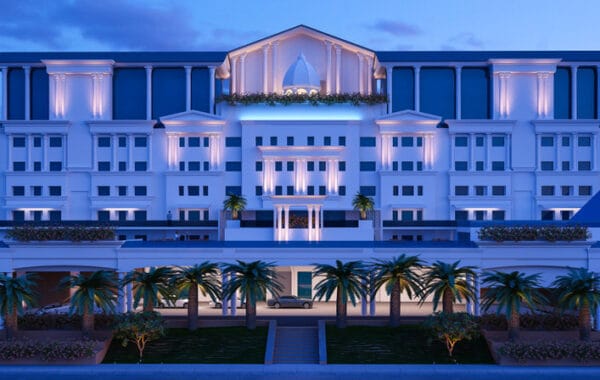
x=296, y=345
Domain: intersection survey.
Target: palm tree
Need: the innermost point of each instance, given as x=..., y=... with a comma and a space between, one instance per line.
x=448, y=282
x=234, y=203
x=580, y=289
x=253, y=280
x=14, y=293
x=97, y=289
x=346, y=279
x=363, y=204
x=150, y=286
x=398, y=275
x=203, y=277
x=509, y=291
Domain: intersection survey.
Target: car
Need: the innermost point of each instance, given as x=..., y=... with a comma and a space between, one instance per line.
x=179, y=302
x=218, y=304
x=290, y=301
x=61, y=309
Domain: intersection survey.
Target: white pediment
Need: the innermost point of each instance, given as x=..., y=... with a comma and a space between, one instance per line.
x=192, y=122
x=407, y=120
x=190, y=116
x=410, y=115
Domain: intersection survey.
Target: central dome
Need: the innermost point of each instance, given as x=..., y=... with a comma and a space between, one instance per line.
x=301, y=78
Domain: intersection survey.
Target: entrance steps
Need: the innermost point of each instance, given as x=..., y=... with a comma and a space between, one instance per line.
x=296, y=345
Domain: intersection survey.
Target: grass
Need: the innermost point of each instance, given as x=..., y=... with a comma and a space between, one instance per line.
x=407, y=344
x=208, y=345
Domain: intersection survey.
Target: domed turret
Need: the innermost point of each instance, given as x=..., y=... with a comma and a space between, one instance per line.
x=301, y=78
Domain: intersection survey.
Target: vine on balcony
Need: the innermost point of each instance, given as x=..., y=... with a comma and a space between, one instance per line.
x=315, y=99
x=69, y=233
x=530, y=233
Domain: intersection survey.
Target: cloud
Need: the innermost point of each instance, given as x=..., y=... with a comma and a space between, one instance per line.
x=464, y=40
x=397, y=28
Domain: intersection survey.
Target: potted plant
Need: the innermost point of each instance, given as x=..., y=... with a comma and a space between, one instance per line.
x=234, y=203
x=363, y=204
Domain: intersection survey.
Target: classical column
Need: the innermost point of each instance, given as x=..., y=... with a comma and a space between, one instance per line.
x=338, y=69
x=310, y=222
x=211, y=89
x=574, y=92
x=148, y=92
x=458, y=72
x=265, y=50
x=188, y=88
x=233, y=76
x=243, y=74
x=224, y=299
x=27, y=73
x=287, y=223
x=328, y=68
x=388, y=86
x=4, y=93
x=233, y=298
x=274, y=68
x=417, y=70
x=361, y=76
x=318, y=223
x=369, y=75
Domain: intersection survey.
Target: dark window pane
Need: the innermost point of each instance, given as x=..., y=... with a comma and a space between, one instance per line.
x=168, y=91
x=562, y=93
x=475, y=93
x=586, y=93
x=403, y=89
x=129, y=93
x=438, y=91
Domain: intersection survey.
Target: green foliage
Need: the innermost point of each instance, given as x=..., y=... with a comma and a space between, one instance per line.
x=399, y=270
x=529, y=233
x=551, y=350
x=363, y=204
x=63, y=322
x=315, y=99
x=15, y=292
x=509, y=291
x=451, y=328
x=47, y=350
x=552, y=322
x=235, y=204
x=253, y=280
x=150, y=286
x=98, y=288
x=55, y=233
x=205, y=276
x=444, y=278
x=347, y=277
x=578, y=288
x=139, y=328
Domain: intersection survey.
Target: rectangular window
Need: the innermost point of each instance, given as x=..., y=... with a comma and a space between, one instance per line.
x=479, y=215
x=182, y=142
x=322, y=166
x=103, y=215
x=499, y=190
x=235, y=190
x=461, y=190
x=419, y=141
x=258, y=166
x=547, y=190
x=18, y=191
x=498, y=215
x=258, y=141
x=342, y=140
x=395, y=166
x=585, y=191
x=205, y=191
x=408, y=191
x=310, y=140
x=103, y=191
x=278, y=166
x=342, y=190
x=104, y=142
x=461, y=141
x=273, y=141
x=547, y=215
x=103, y=166
x=584, y=165
x=367, y=166
x=122, y=166
x=420, y=190
x=205, y=142
x=193, y=166
x=310, y=166
x=258, y=191
x=566, y=190
x=193, y=191
x=140, y=215
x=310, y=190
x=479, y=166
x=322, y=190
x=290, y=166
x=497, y=140
x=36, y=191
x=395, y=190
x=368, y=141
x=55, y=191
x=419, y=166
x=181, y=191
x=327, y=141
x=498, y=166
x=122, y=142
x=342, y=166
x=461, y=215
x=460, y=165
x=547, y=165
x=290, y=141
x=140, y=191
x=394, y=141
x=55, y=215
x=566, y=141
x=547, y=141
x=37, y=166
x=140, y=166
x=369, y=191
x=290, y=190
x=584, y=141
x=194, y=142
x=232, y=142
x=479, y=141
x=37, y=142
x=19, y=166
x=140, y=142
x=407, y=166
x=233, y=166
x=481, y=190
x=18, y=142
x=122, y=191
x=407, y=141
x=55, y=166
x=566, y=166
x=278, y=190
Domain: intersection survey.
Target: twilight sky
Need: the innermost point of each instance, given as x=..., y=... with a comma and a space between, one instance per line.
x=163, y=25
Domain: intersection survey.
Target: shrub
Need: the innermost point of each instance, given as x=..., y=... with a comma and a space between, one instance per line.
x=553, y=322
x=451, y=328
x=53, y=233
x=63, y=322
x=47, y=350
x=139, y=328
x=316, y=99
x=529, y=233
x=551, y=350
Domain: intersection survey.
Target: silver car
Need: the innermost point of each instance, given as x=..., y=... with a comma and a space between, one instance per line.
x=290, y=301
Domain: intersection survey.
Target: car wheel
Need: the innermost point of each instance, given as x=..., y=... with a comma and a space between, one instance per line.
x=276, y=305
x=306, y=305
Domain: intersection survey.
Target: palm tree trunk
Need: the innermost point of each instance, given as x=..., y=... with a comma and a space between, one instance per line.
x=251, y=313
x=448, y=302
x=513, y=326
x=87, y=324
x=585, y=323
x=395, y=305
x=193, y=307
x=148, y=307
x=363, y=214
x=340, y=311
x=11, y=323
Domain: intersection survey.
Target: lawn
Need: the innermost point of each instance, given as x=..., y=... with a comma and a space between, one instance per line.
x=408, y=344
x=207, y=345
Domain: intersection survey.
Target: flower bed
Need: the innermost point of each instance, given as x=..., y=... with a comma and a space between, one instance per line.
x=549, y=322
x=529, y=233
x=32, y=351
x=54, y=233
x=316, y=99
x=62, y=322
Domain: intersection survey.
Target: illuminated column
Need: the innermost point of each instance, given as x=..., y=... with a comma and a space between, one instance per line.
x=130, y=152
x=27, y=73
x=265, y=50
x=458, y=72
x=310, y=222
x=45, y=159
x=369, y=76
x=274, y=68
x=114, y=145
x=338, y=69
x=328, y=75
x=388, y=86
x=4, y=93
x=233, y=76
x=287, y=223
x=488, y=150
x=243, y=74
x=361, y=74
x=417, y=88
x=574, y=92
x=170, y=151
x=148, y=92
x=318, y=223
x=211, y=90
x=188, y=88
x=336, y=175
